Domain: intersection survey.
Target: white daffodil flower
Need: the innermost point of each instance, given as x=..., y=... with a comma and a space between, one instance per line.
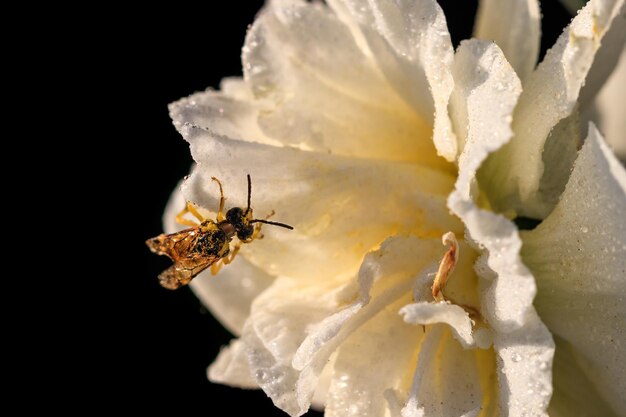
x=362, y=127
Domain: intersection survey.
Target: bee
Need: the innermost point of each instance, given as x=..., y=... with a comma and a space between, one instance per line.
x=206, y=244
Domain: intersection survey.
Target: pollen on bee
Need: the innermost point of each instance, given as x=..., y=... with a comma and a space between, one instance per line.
x=446, y=266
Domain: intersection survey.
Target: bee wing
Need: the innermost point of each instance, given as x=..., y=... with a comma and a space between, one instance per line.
x=181, y=273
x=182, y=248
x=174, y=244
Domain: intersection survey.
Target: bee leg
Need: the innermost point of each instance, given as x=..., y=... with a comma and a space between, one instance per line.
x=231, y=257
x=257, y=232
x=215, y=268
x=189, y=208
x=220, y=212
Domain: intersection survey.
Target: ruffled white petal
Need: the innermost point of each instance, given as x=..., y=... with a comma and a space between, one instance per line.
x=430, y=313
x=525, y=368
x=228, y=295
x=446, y=381
x=606, y=59
x=294, y=327
x=340, y=207
x=278, y=325
x=486, y=93
x=550, y=95
x=320, y=91
x=226, y=112
x=236, y=88
x=319, y=400
x=485, y=96
x=231, y=366
x=377, y=357
x=578, y=255
x=411, y=43
x=515, y=26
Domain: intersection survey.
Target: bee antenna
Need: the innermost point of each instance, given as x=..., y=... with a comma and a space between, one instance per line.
x=249, y=194
x=286, y=226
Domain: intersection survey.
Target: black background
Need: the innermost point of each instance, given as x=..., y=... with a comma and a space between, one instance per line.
x=161, y=342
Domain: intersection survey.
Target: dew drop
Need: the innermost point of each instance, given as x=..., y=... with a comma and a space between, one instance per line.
x=516, y=357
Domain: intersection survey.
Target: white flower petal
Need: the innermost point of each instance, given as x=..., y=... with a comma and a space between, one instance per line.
x=235, y=88
x=323, y=385
x=610, y=102
x=578, y=255
x=446, y=381
x=550, y=94
x=395, y=262
x=294, y=327
x=333, y=229
x=484, y=98
x=515, y=26
x=231, y=367
x=574, y=394
x=228, y=295
x=322, y=92
x=432, y=313
x=360, y=379
x=222, y=114
x=411, y=43
x=276, y=328
x=606, y=58
x=304, y=32
x=487, y=89
x=524, y=368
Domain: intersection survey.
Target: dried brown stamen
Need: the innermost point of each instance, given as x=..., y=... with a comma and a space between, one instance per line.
x=446, y=266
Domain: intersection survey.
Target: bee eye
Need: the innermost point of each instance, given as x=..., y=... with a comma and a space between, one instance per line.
x=245, y=233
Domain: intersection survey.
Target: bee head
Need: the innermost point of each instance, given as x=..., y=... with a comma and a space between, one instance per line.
x=241, y=222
